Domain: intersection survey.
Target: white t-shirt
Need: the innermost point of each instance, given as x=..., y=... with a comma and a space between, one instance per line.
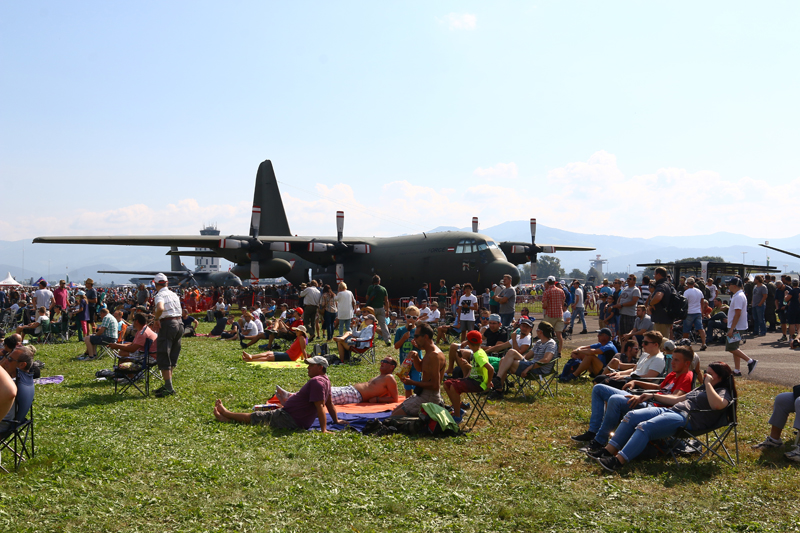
x=433, y=315
x=522, y=342
x=425, y=314
x=259, y=325
x=650, y=362
x=694, y=296
x=566, y=316
x=713, y=290
x=344, y=302
x=470, y=316
x=43, y=298
x=578, y=297
x=738, y=301
x=311, y=296
x=250, y=329
x=220, y=306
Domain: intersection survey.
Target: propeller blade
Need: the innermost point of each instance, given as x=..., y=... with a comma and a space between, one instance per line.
x=339, y=272
x=255, y=221
x=533, y=270
x=474, y=224
x=254, y=271
x=339, y=225
x=533, y=231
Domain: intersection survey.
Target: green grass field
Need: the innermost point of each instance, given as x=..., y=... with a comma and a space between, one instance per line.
x=109, y=463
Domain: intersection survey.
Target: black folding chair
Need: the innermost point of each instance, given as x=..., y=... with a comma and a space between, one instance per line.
x=478, y=411
x=135, y=372
x=14, y=437
x=533, y=385
x=711, y=441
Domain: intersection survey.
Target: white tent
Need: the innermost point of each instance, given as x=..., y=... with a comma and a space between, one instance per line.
x=10, y=282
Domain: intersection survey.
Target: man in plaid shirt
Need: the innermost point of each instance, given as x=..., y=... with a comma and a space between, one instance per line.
x=553, y=307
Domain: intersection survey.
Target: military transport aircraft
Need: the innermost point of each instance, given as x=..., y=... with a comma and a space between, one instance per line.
x=404, y=263
x=766, y=245
x=180, y=275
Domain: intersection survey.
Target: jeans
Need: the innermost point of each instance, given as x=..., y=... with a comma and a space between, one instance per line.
x=506, y=319
x=327, y=323
x=639, y=427
x=579, y=312
x=609, y=405
x=759, y=322
x=344, y=325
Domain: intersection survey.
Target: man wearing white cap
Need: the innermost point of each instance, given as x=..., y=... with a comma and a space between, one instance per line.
x=167, y=323
x=300, y=410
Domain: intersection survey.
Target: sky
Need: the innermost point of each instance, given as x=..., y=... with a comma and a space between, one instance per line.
x=623, y=118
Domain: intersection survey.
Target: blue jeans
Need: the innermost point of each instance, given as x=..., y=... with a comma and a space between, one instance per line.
x=609, y=405
x=344, y=325
x=579, y=312
x=639, y=427
x=506, y=319
x=759, y=322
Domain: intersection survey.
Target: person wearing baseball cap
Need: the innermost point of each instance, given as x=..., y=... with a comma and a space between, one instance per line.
x=358, y=339
x=167, y=323
x=592, y=358
x=300, y=410
x=284, y=329
x=480, y=374
x=297, y=349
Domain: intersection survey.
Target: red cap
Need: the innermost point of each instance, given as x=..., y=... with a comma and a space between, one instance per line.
x=299, y=311
x=474, y=337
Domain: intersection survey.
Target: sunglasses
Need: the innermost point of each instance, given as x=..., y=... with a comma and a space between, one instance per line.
x=389, y=362
x=645, y=343
x=411, y=316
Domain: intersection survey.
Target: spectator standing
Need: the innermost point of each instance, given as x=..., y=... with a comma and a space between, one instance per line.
x=578, y=307
x=694, y=317
x=468, y=304
x=441, y=295
x=712, y=289
x=311, y=297
x=378, y=299
x=628, y=300
x=780, y=306
x=659, y=301
x=553, y=308
x=346, y=306
x=760, y=294
x=737, y=323
x=769, y=311
x=167, y=324
x=61, y=296
x=422, y=294
x=507, y=298
x=43, y=297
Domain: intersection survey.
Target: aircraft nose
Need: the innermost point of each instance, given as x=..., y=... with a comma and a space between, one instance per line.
x=494, y=272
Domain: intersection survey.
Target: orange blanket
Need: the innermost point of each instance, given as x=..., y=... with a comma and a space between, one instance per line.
x=355, y=408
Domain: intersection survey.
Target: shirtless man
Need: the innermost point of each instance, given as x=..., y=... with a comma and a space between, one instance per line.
x=380, y=389
x=432, y=367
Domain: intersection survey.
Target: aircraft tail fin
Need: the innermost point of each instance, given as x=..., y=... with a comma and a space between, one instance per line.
x=175, y=261
x=269, y=216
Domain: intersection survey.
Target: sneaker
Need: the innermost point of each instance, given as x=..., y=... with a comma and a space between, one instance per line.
x=737, y=373
x=703, y=348
x=793, y=455
x=162, y=392
x=751, y=366
x=597, y=454
x=592, y=446
x=610, y=463
x=783, y=338
x=457, y=419
x=263, y=347
x=587, y=436
x=769, y=442
x=567, y=378
x=465, y=406
x=584, y=332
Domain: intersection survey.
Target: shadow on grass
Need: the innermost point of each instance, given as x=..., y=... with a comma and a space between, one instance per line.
x=100, y=399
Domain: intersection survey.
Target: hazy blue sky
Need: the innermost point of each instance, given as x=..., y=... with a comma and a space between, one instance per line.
x=630, y=118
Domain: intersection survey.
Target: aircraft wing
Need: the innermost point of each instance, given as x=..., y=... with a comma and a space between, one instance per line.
x=136, y=240
x=562, y=248
x=781, y=251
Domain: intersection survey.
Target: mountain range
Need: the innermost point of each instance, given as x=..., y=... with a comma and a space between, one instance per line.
x=54, y=261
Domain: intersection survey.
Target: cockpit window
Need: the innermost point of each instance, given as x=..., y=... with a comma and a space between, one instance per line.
x=468, y=246
x=491, y=244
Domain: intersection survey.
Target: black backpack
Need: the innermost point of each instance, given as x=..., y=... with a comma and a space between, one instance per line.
x=678, y=306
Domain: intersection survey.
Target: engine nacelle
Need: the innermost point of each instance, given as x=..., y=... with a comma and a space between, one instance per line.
x=273, y=268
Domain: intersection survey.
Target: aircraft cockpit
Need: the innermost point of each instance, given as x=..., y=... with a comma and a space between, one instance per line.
x=466, y=246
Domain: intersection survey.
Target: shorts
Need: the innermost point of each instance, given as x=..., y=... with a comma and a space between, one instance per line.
x=527, y=364
x=278, y=418
x=495, y=362
x=663, y=329
x=731, y=346
x=344, y=395
x=467, y=325
x=465, y=385
x=792, y=316
x=556, y=322
x=281, y=356
x=413, y=405
x=692, y=321
x=99, y=339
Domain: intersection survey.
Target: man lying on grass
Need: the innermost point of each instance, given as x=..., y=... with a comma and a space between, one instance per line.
x=300, y=410
x=380, y=389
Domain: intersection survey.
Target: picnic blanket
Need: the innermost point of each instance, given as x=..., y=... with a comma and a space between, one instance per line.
x=355, y=421
x=278, y=364
x=358, y=408
x=51, y=380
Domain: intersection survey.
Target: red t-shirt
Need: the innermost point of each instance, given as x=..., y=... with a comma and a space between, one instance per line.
x=673, y=383
x=297, y=348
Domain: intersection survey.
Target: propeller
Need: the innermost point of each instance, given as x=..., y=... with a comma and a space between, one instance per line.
x=340, y=248
x=532, y=251
x=474, y=224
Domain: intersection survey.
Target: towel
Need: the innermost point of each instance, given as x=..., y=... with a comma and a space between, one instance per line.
x=278, y=364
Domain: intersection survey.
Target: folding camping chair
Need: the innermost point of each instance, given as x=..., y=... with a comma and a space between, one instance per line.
x=359, y=353
x=135, y=373
x=533, y=385
x=14, y=437
x=478, y=411
x=711, y=441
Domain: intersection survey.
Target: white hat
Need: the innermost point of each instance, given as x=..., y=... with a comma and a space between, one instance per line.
x=160, y=278
x=551, y=278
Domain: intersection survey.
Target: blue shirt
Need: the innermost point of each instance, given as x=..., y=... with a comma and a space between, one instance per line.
x=609, y=351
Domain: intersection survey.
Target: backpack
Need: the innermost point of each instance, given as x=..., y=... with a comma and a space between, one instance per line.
x=678, y=306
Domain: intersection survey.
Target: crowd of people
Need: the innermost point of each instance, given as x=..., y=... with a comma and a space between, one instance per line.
x=636, y=398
